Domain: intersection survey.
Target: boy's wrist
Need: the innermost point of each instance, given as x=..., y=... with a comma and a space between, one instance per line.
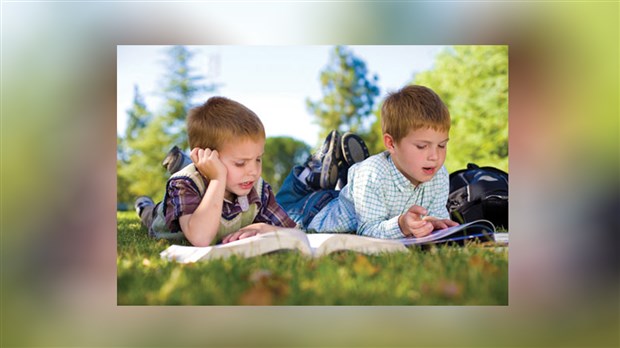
x=221, y=177
x=400, y=225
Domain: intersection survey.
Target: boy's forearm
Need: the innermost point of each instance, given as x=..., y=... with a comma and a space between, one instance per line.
x=388, y=229
x=204, y=223
x=371, y=217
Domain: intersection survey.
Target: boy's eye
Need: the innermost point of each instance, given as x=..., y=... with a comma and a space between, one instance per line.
x=239, y=164
x=421, y=147
x=259, y=160
x=442, y=146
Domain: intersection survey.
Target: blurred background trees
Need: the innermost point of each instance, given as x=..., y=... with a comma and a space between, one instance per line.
x=471, y=80
x=148, y=136
x=349, y=93
x=281, y=154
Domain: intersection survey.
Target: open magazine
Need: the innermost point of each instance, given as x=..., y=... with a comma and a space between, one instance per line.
x=482, y=230
x=319, y=244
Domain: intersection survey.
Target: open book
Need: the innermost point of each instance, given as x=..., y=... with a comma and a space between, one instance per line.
x=319, y=244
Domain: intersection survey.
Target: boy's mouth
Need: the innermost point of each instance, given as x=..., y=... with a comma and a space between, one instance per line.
x=247, y=185
x=428, y=170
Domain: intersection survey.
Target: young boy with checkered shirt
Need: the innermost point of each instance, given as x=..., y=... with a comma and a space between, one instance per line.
x=400, y=192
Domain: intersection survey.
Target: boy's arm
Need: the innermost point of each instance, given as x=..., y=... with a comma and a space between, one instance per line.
x=202, y=225
x=371, y=211
x=269, y=218
x=378, y=225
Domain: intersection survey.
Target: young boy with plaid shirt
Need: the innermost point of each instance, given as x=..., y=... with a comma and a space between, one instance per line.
x=217, y=194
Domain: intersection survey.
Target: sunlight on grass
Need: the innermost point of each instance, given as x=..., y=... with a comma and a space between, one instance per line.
x=471, y=275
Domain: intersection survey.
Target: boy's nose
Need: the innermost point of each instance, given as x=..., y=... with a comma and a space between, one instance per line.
x=432, y=154
x=254, y=169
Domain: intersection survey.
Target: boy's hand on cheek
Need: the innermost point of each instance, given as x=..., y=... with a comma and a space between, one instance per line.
x=208, y=163
x=412, y=224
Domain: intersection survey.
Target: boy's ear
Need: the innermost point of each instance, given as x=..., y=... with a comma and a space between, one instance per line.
x=388, y=141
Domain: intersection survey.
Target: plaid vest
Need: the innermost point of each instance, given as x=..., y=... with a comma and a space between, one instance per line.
x=161, y=231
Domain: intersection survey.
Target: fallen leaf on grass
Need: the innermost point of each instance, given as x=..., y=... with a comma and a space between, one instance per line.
x=265, y=288
x=260, y=276
x=478, y=262
x=258, y=295
x=364, y=267
x=445, y=288
x=450, y=289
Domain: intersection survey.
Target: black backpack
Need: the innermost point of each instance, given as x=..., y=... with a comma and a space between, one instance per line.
x=479, y=193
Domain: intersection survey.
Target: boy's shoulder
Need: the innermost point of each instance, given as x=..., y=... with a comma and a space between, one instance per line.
x=374, y=166
x=188, y=175
x=375, y=162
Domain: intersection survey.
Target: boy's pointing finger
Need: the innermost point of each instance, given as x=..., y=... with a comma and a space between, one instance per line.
x=418, y=210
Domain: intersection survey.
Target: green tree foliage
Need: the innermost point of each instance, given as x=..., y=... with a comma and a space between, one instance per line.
x=374, y=139
x=148, y=137
x=122, y=184
x=473, y=82
x=281, y=154
x=143, y=171
x=138, y=117
x=349, y=94
x=181, y=87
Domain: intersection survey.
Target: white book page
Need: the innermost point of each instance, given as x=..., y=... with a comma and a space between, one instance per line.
x=325, y=243
x=282, y=239
x=184, y=254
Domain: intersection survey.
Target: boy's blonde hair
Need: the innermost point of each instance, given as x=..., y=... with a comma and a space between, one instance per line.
x=411, y=108
x=220, y=120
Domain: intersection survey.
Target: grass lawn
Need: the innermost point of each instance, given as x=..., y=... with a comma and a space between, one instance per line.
x=470, y=275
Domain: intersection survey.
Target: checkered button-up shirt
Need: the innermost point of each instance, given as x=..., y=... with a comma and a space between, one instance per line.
x=376, y=195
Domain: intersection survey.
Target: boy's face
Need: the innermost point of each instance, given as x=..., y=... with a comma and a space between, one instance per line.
x=243, y=160
x=420, y=154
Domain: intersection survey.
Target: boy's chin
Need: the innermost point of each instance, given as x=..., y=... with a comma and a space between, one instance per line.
x=238, y=193
x=423, y=178
x=232, y=195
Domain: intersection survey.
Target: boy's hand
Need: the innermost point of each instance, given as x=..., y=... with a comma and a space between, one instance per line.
x=249, y=231
x=208, y=163
x=412, y=224
x=440, y=224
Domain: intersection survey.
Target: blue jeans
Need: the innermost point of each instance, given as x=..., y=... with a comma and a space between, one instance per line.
x=300, y=201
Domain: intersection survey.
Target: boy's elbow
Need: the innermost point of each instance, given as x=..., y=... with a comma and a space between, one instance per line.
x=199, y=239
x=204, y=243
